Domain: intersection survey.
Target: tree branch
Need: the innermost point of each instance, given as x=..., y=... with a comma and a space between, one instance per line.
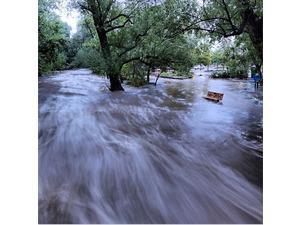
x=84, y=7
x=136, y=42
x=111, y=28
x=130, y=60
x=88, y=27
x=116, y=17
x=228, y=15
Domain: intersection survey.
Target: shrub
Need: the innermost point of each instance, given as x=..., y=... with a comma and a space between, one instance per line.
x=240, y=74
x=222, y=75
x=89, y=58
x=60, y=62
x=135, y=73
x=137, y=81
x=176, y=75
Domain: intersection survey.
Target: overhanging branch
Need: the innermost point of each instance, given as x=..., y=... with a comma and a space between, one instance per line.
x=111, y=28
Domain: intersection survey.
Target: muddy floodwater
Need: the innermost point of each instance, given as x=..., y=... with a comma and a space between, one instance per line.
x=156, y=154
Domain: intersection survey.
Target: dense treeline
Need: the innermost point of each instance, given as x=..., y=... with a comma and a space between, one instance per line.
x=126, y=39
x=53, y=38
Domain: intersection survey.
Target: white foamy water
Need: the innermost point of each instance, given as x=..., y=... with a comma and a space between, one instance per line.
x=148, y=155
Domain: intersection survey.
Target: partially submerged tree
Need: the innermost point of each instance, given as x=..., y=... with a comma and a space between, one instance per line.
x=110, y=17
x=139, y=30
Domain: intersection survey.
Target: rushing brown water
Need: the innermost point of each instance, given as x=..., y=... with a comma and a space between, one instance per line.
x=157, y=154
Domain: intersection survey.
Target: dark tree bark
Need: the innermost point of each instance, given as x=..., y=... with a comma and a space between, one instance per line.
x=100, y=20
x=115, y=84
x=255, y=31
x=148, y=75
x=112, y=72
x=253, y=25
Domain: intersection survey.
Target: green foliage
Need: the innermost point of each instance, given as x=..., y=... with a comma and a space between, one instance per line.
x=237, y=56
x=177, y=75
x=89, y=58
x=127, y=71
x=137, y=81
x=240, y=74
x=53, y=38
x=218, y=57
x=201, y=53
x=223, y=75
x=144, y=34
x=224, y=19
x=152, y=38
x=135, y=73
x=60, y=61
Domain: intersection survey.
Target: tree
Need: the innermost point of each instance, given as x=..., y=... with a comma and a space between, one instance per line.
x=80, y=44
x=249, y=52
x=202, y=54
x=53, y=37
x=238, y=55
x=218, y=58
x=109, y=17
x=233, y=18
x=139, y=30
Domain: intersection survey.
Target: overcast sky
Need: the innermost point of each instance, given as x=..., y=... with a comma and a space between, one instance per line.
x=71, y=17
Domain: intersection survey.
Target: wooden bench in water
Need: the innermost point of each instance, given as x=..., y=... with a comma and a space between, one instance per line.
x=214, y=96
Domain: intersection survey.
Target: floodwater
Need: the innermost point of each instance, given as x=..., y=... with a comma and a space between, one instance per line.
x=156, y=154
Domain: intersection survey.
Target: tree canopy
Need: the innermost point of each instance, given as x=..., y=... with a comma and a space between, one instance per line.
x=53, y=36
x=126, y=39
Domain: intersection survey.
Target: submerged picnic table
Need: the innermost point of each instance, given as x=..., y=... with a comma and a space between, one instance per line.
x=214, y=96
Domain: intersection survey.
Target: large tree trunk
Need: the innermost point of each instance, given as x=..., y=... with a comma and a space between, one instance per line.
x=255, y=30
x=112, y=72
x=254, y=27
x=115, y=84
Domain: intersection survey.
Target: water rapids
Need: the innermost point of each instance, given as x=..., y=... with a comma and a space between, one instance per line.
x=156, y=154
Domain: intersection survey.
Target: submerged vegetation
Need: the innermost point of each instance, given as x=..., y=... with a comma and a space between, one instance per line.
x=126, y=40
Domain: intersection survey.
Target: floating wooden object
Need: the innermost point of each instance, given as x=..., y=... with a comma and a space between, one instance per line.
x=214, y=96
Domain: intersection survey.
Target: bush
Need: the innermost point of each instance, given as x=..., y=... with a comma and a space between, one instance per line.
x=222, y=75
x=127, y=71
x=176, y=75
x=60, y=62
x=137, y=81
x=89, y=58
x=134, y=73
x=56, y=63
x=44, y=66
x=238, y=73
x=230, y=74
